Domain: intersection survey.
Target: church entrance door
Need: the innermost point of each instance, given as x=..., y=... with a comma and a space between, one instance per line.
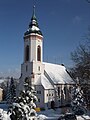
x=52, y=104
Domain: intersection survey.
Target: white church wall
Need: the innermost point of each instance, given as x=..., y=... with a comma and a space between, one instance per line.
x=49, y=95
x=38, y=67
x=26, y=69
x=40, y=95
x=33, y=50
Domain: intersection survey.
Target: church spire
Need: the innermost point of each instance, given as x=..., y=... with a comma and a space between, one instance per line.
x=33, y=26
x=34, y=16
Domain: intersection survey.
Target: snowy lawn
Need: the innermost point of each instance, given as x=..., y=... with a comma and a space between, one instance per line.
x=55, y=114
x=49, y=114
x=42, y=115
x=83, y=117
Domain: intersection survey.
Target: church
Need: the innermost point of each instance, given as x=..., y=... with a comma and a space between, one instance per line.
x=51, y=81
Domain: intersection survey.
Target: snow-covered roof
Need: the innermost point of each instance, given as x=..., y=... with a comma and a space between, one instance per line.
x=44, y=82
x=53, y=74
x=58, y=74
x=34, y=28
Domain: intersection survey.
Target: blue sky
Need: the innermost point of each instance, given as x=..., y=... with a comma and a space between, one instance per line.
x=62, y=22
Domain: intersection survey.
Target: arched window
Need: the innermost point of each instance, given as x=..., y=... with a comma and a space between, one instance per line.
x=27, y=53
x=38, y=53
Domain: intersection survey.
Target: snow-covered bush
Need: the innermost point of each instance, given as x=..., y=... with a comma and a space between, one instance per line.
x=23, y=108
x=77, y=103
x=1, y=114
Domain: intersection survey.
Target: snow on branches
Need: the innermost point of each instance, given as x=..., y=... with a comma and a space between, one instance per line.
x=23, y=108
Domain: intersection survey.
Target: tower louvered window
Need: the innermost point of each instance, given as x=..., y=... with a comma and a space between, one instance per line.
x=38, y=53
x=27, y=53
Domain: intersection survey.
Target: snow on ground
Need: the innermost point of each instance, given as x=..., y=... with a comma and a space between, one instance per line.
x=44, y=115
x=49, y=114
x=83, y=117
x=54, y=115
x=4, y=115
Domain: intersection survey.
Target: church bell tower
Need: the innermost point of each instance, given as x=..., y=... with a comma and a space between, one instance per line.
x=33, y=40
x=32, y=65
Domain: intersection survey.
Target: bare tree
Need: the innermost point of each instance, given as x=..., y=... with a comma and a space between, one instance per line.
x=81, y=58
